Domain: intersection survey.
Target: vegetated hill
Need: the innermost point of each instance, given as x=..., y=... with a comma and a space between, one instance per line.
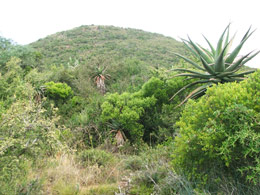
x=126, y=54
x=108, y=42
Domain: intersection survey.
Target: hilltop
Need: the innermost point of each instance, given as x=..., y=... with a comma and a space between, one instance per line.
x=114, y=43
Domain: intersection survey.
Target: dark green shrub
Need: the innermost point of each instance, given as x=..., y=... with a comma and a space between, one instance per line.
x=70, y=107
x=220, y=134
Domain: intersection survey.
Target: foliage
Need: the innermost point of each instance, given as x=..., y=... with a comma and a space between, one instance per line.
x=127, y=54
x=219, y=65
x=8, y=49
x=26, y=135
x=86, y=43
x=58, y=91
x=220, y=134
x=124, y=113
x=146, y=114
x=99, y=77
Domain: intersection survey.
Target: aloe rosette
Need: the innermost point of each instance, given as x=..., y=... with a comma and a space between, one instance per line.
x=217, y=65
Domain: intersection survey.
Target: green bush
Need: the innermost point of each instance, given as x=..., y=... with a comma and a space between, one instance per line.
x=146, y=115
x=124, y=112
x=26, y=136
x=219, y=134
x=58, y=91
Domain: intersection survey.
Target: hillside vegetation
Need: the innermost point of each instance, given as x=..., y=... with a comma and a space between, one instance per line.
x=111, y=43
x=101, y=110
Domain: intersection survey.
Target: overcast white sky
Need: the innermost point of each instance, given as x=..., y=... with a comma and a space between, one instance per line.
x=25, y=21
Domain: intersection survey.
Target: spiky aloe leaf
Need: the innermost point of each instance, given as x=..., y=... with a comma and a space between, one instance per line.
x=233, y=79
x=198, y=91
x=220, y=42
x=185, y=42
x=224, y=74
x=207, y=67
x=235, y=52
x=220, y=63
x=229, y=45
x=190, y=71
x=242, y=74
x=213, y=51
x=190, y=61
x=235, y=65
x=187, y=86
x=201, y=53
x=249, y=58
x=207, y=52
x=194, y=76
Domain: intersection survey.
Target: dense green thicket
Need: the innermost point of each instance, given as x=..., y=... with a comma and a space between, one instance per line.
x=29, y=57
x=26, y=137
x=142, y=115
x=52, y=103
x=26, y=134
x=220, y=134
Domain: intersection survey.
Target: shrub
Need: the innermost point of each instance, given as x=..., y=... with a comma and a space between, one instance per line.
x=58, y=91
x=26, y=135
x=142, y=115
x=124, y=113
x=220, y=134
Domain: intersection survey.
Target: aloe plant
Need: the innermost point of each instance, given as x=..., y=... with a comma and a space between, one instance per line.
x=217, y=65
x=100, y=77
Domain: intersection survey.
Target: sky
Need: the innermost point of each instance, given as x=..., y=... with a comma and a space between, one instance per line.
x=26, y=21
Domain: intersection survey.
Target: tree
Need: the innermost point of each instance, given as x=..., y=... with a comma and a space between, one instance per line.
x=99, y=77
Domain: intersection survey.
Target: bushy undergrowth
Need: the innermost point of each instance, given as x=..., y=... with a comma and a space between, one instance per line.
x=26, y=136
x=220, y=135
x=216, y=150
x=94, y=157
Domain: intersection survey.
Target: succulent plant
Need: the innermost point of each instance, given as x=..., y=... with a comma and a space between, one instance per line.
x=217, y=65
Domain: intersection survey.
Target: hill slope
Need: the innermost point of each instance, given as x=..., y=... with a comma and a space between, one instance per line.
x=127, y=54
x=109, y=42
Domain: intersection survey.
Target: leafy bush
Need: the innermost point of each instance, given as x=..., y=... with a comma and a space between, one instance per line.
x=124, y=112
x=220, y=134
x=11, y=84
x=26, y=135
x=8, y=49
x=58, y=91
x=142, y=115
